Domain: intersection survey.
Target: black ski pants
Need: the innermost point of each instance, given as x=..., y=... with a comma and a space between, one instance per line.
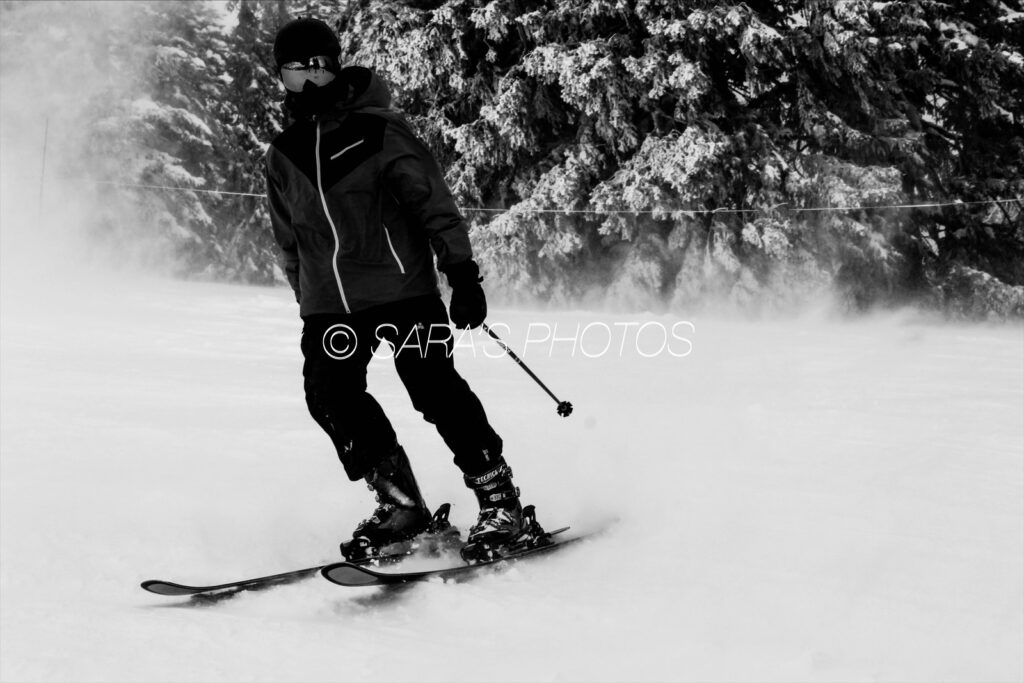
x=337, y=350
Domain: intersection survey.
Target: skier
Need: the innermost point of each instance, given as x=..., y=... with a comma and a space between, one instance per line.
x=357, y=204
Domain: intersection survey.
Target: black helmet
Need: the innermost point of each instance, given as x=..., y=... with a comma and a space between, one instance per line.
x=300, y=39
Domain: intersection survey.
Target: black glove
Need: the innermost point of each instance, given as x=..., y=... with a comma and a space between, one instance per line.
x=469, y=306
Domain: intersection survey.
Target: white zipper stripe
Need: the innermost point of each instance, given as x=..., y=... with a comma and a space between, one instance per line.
x=337, y=241
x=354, y=144
x=387, y=234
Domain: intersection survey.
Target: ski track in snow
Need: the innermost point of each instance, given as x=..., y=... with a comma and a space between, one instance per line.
x=798, y=499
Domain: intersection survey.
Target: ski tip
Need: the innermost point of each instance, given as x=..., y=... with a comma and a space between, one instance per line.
x=166, y=588
x=346, y=574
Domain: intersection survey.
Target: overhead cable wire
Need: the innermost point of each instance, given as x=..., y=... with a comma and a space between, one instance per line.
x=667, y=210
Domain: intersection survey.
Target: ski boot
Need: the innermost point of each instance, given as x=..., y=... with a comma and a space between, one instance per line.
x=401, y=513
x=503, y=525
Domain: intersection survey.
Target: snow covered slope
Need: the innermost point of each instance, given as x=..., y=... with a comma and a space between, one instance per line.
x=805, y=499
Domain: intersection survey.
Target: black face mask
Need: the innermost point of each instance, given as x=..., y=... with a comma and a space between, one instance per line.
x=315, y=100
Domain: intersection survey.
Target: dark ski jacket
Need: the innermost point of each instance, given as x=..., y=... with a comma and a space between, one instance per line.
x=357, y=204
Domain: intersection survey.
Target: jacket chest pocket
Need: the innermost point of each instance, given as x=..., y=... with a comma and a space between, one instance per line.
x=375, y=244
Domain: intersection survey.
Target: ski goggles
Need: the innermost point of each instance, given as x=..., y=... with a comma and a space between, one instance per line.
x=317, y=69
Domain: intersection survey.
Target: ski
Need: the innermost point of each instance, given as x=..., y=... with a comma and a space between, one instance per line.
x=439, y=527
x=170, y=588
x=358, y=575
x=355, y=575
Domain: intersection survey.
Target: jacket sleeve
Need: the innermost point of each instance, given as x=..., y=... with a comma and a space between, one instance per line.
x=281, y=222
x=414, y=179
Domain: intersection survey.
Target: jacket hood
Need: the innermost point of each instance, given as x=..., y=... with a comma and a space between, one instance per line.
x=365, y=89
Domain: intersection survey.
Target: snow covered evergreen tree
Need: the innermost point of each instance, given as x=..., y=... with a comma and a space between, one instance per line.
x=252, y=117
x=663, y=112
x=156, y=137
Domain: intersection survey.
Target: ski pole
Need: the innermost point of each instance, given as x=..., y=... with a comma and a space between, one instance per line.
x=564, y=407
